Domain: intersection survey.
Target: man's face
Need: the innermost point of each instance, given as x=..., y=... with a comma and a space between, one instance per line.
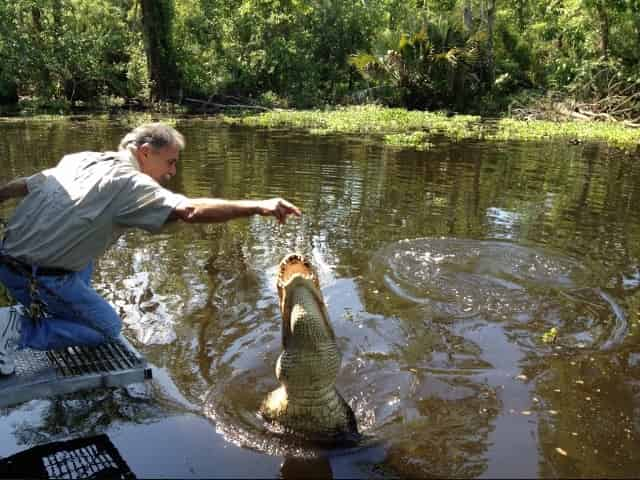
x=159, y=164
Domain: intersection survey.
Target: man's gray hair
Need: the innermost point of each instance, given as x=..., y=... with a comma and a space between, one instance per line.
x=158, y=135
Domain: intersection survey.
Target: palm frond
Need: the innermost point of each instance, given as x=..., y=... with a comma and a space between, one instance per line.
x=361, y=60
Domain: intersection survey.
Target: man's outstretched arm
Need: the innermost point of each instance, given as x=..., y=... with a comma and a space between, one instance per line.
x=14, y=189
x=211, y=210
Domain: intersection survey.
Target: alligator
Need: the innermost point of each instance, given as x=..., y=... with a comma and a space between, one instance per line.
x=307, y=404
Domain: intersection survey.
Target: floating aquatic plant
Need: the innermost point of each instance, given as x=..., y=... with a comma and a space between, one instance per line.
x=370, y=119
x=417, y=140
x=402, y=127
x=399, y=127
x=550, y=336
x=615, y=134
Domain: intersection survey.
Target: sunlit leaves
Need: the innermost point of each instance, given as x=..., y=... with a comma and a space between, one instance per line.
x=64, y=48
x=417, y=53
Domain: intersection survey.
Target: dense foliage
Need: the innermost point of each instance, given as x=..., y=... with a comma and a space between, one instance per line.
x=456, y=54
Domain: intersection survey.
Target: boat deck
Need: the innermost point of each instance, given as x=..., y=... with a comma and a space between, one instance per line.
x=55, y=372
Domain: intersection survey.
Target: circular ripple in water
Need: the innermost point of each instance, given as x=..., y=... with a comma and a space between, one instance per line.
x=234, y=407
x=533, y=289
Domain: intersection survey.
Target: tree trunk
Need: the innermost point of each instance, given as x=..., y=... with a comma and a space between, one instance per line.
x=520, y=8
x=8, y=92
x=57, y=16
x=157, y=20
x=491, y=18
x=36, y=18
x=68, y=84
x=603, y=18
x=46, y=87
x=467, y=16
x=634, y=6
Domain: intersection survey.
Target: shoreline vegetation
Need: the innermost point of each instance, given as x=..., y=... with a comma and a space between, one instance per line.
x=413, y=129
x=521, y=60
x=567, y=69
x=393, y=127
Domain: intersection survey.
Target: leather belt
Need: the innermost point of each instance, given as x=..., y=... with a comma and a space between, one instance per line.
x=24, y=268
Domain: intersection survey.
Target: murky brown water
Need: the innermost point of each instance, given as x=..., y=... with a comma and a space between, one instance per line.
x=442, y=270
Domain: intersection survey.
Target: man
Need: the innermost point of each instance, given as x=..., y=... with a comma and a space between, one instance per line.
x=71, y=214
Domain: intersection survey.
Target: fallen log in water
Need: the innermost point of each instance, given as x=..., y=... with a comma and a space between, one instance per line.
x=207, y=104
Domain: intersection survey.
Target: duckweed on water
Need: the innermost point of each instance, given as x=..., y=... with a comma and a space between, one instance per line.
x=614, y=134
x=417, y=140
x=550, y=336
x=367, y=120
x=405, y=128
x=128, y=120
x=42, y=118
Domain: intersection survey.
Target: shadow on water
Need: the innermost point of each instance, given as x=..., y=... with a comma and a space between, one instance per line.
x=294, y=468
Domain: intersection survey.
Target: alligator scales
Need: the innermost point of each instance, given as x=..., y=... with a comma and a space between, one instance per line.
x=307, y=402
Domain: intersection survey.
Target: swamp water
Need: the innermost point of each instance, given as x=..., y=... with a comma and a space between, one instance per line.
x=485, y=297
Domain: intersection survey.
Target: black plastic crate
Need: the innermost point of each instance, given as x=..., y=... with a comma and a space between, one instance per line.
x=90, y=457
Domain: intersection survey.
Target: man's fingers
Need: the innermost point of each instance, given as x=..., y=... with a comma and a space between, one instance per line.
x=284, y=208
x=280, y=209
x=291, y=208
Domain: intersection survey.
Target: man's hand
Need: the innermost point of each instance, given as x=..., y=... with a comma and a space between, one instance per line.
x=279, y=208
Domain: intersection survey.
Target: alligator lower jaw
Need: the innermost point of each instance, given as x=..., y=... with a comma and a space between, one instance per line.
x=303, y=310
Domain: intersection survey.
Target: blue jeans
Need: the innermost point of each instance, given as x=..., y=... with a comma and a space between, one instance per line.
x=76, y=314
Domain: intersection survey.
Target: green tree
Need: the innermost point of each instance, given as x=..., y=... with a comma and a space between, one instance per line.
x=439, y=66
x=70, y=51
x=64, y=49
x=157, y=24
x=604, y=10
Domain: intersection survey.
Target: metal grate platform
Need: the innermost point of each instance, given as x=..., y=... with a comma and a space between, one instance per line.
x=90, y=457
x=56, y=372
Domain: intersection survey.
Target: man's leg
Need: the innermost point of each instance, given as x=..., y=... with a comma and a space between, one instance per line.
x=77, y=315
x=10, y=331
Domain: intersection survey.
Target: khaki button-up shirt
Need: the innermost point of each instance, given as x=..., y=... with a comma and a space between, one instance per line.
x=76, y=210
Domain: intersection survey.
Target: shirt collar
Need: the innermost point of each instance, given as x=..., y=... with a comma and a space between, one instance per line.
x=129, y=157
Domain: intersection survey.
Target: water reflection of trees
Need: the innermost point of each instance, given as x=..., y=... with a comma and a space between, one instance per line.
x=316, y=468
x=215, y=281
x=32, y=146
x=427, y=400
x=355, y=199
x=85, y=415
x=588, y=409
x=448, y=441
x=588, y=414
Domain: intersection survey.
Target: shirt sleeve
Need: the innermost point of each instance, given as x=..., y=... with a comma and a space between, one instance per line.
x=145, y=204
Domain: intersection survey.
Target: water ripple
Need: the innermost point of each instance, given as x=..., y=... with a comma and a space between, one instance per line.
x=529, y=288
